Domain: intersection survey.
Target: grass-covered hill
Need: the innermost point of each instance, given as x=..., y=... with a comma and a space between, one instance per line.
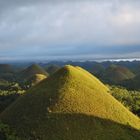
x=35, y=79
x=32, y=70
x=115, y=74
x=97, y=69
x=52, y=68
x=71, y=104
x=132, y=84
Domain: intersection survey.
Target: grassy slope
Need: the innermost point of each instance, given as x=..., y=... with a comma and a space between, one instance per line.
x=117, y=74
x=32, y=70
x=35, y=79
x=71, y=105
x=133, y=84
x=52, y=69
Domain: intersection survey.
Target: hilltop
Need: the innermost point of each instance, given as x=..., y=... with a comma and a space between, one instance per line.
x=115, y=74
x=71, y=104
x=32, y=70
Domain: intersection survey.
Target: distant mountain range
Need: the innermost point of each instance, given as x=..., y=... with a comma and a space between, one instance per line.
x=123, y=73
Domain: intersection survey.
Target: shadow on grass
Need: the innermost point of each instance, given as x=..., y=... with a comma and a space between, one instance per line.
x=6, y=100
x=59, y=126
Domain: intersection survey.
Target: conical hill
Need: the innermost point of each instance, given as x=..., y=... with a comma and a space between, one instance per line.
x=32, y=70
x=71, y=105
x=116, y=74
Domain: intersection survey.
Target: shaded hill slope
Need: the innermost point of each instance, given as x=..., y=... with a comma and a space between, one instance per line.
x=132, y=84
x=52, y=69
x=116, y=74
x=71, y=105
x=32, y=70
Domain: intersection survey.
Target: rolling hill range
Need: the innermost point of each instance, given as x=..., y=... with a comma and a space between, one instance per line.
x=91, y=66
x=71, y=104
x=115, y=74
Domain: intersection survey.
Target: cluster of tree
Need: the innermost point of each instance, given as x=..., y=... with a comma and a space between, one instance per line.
x=9, y=94
x=130, y=99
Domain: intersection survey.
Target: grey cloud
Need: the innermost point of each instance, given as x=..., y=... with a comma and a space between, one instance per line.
x=60, y=27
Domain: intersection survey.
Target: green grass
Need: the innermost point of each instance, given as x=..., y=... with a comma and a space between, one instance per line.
x=35, y=79
x=71, y=105
x=32, y=70
x=132, y=84
x=116, y=74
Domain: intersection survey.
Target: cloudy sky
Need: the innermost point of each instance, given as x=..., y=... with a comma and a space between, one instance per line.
x=72, y=29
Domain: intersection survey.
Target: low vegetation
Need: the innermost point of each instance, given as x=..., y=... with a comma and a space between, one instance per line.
x=130, y=99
